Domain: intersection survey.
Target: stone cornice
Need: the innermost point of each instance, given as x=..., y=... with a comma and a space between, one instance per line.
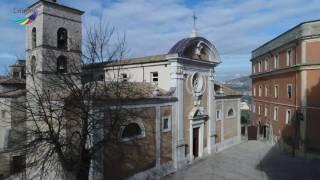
x=295, y=68
x=53, y=48
x=200, y=63
x=61, y=17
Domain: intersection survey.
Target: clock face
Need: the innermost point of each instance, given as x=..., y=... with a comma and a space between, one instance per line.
x=197, y=83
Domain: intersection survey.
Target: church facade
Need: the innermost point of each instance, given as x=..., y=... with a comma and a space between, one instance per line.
x=203, y=120
x=188, y=114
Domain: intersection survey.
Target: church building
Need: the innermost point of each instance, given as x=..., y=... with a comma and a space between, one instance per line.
x=203, y=120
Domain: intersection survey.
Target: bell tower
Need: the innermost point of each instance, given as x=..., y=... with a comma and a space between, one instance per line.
x=53, y=43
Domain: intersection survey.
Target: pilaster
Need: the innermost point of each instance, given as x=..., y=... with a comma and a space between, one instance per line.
x=304, y=103
x=222, y=122
x=177, y=81
x=239, y=120
x=158, y=136
x=212, y=114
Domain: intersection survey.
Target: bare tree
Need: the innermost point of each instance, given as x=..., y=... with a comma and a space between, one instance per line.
x=72, y=114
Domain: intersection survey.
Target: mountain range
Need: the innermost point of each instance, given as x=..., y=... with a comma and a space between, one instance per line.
x=242, y=84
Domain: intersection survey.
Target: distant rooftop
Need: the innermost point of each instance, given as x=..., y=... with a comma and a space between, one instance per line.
x=3, y=77
x=229, y=97
x=12, y=81
x=19, y=62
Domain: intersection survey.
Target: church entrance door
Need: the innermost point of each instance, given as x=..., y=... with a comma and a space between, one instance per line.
x=195, y=143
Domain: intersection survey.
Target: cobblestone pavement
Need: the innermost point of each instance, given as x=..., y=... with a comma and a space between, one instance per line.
x=250, y=160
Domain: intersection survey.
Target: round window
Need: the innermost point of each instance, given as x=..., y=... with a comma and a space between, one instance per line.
x=197, y=83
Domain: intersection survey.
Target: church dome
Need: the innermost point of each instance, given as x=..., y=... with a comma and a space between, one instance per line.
x=196, y=48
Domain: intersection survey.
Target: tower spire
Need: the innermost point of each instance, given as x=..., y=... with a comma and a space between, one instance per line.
x=194, y=32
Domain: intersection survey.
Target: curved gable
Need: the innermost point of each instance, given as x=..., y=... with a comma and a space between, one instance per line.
x=197, y=48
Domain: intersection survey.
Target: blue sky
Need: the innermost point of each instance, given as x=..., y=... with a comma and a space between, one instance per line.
x=235, y=27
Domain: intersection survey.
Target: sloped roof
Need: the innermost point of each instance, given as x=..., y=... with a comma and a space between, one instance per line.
x=130, y=61
x=146, y=59
x=12, y=81
x=229, y=97
x=19, y=63
x=124, y=92
x=13, y=94
x=227, y=91
x=132, y=90
x=3, y=77
x=179, y=48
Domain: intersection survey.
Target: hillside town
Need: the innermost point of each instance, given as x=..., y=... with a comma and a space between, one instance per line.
x=77, y=108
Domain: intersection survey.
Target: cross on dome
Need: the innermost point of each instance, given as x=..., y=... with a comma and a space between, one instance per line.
x=195, y=32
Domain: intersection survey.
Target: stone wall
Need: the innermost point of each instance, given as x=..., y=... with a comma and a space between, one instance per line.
x=227, y=127
x=166, y=136
x=125, y=158
x=136, y=157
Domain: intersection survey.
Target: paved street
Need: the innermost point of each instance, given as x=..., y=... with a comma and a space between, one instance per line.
x=250, y=161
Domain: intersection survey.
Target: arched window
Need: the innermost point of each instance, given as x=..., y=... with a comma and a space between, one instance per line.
x=62, y=36
x=33, y=65
x=62, y=65
x=231, y=112
x=34, y=38
x=131, y=131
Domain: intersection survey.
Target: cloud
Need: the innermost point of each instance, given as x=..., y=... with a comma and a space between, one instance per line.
x=153, y=26
x=232, y=66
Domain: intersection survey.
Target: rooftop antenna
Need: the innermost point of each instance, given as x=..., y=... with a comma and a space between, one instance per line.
x=195, y=32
